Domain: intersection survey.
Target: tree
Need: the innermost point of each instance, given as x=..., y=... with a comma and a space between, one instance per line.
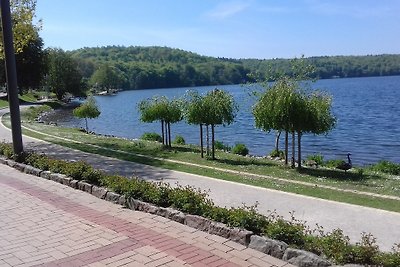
x=24, y=31
x=215, y=108
x=63, y=74
x=107, y=77
x=164, y=110
x=287, y=105
x=195, y=113
x=87, y=110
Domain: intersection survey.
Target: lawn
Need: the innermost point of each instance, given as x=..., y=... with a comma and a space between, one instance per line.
x=322, y=183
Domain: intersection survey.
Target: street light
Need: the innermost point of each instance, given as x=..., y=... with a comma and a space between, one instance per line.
x=11, y=75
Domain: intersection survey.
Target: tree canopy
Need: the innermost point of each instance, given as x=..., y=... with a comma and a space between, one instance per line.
x=164, y=110
x=216, y=107
x=88, y=110
x=288, y=105
x=163, y=67
x=24, y=28
x=63, y=74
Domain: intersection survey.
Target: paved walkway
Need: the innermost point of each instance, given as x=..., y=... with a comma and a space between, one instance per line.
x=43, y=223
x=352, y=219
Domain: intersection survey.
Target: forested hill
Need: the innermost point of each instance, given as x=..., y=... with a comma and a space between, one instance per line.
x=158, y=67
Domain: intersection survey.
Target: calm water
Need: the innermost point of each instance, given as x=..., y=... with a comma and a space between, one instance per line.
x=367, y=111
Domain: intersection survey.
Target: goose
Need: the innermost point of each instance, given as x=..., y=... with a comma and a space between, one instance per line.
x=345, y=165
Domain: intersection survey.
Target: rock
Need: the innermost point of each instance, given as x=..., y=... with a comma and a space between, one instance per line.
x=74, y=184
x=112, y=197
x=268, y=246
x=20, y=166
x=99, y=192
x=45, y=174
x=3, y=160
x=197, y=222
x=240, y=236
x=60, y=178
x=219, y=229
x=32, y=170
x=304, y=259
x=122, y=200
x=11, y=163
x=172, y=214
x=85, y=187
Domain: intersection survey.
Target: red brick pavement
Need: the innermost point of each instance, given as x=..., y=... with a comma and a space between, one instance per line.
x=139, y=244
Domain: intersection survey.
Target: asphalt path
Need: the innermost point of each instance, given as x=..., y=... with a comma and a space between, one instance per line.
x=352, y=219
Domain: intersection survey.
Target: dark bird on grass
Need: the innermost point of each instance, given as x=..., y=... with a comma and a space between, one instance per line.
x=345, y=165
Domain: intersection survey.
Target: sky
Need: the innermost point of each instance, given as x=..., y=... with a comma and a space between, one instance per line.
x=262, y=29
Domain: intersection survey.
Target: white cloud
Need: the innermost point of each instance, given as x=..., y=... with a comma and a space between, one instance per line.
x=228, y=9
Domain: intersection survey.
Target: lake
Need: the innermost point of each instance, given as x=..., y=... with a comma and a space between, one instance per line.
x=367, y=112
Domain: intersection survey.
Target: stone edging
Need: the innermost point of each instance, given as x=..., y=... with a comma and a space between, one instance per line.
x=275, y=248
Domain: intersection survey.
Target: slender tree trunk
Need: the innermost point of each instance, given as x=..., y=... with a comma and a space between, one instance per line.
x=293, y=149
x=299, y=150
x=162, y=132
x=208, y=141
x=213, y=141
x=286, y=148
x=169, y=134
x=87, y=127
x=201, y=140
x=277, y=136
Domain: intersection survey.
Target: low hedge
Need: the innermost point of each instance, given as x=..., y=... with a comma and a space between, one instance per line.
x=333, y=245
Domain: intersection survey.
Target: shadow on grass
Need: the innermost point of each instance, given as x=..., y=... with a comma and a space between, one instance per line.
x=244, y=162
x=337, y=175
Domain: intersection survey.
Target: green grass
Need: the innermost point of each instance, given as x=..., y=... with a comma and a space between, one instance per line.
x=367, y=181
x=3, y=103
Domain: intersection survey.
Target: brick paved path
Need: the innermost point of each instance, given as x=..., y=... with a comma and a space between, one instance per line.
x=43, y=223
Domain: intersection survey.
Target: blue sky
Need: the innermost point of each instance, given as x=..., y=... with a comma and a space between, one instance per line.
x=227, y=28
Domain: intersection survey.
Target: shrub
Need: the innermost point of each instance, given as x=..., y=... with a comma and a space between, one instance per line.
x=221, y=146
x=6, y=149
x=248, y=218
x=286, y=231
x=179, y=140
x=318, y=158
x=151, y=137
x=277, y=154
x=190, y=200
x=240, y=149
x=332, y=163
x=386, y=167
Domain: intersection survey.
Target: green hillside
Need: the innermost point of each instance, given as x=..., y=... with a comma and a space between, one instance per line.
x=138, y=67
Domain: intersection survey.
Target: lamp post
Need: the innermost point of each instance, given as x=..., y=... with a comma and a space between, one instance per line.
x=11, y=75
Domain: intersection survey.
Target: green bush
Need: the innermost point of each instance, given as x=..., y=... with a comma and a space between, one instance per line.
x=151, y=137
x=318, y=158
x=221, y=146
x=386, y=167
x=33, y=113
x=291, y=232
x=6, y=149
x=190, y=200
x=179, y=140
x=277, y=154
x=332, y=163
x=247, y=218
x=240, y=149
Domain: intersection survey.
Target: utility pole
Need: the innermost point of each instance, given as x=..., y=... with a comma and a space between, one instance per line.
x=11, y=75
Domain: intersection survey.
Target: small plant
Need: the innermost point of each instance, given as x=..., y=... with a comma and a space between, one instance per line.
x=240, y=149
x=317, y=158
x=179, y=140
x=151, y=137
x=386, y=167
x=221, y=146
x=277, y=154
x=333, y=163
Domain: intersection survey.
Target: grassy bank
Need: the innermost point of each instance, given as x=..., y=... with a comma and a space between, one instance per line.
x=328, y=184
